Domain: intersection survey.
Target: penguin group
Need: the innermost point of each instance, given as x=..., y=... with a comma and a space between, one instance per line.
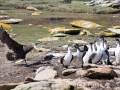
x=94, y=53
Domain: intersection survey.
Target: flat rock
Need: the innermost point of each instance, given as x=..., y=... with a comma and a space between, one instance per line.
x=100, y=73
x=46, y=74
x=85, y=24
x=64, y=30
x=69, y=72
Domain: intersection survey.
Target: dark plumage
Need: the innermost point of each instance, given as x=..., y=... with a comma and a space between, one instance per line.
x=19, y=50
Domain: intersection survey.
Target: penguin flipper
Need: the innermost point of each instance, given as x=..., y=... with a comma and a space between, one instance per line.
x=61, y=60
x=91, y=57
x=72, y=58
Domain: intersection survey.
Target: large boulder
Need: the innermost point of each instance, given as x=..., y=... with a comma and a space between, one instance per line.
x=43, y=85
x=85, y=24
x=100, y=73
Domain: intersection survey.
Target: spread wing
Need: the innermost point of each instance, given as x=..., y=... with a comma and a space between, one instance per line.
x=5, y=39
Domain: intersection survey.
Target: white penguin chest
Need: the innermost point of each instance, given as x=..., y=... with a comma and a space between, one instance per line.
x=67, y=58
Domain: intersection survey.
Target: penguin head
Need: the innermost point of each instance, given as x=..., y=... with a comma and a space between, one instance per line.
x=101, y=38
x=76, y=45
x=90, y=43
x=85, y=48
x=117, y=41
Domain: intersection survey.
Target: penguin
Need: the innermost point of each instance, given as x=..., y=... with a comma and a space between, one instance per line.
x=97, y=55
x=105, y=52
x=80, y=53
x=87, y=55
x=67, y=59
x=117, y=52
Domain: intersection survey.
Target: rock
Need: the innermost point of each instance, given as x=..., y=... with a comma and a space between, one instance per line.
x=114, y=30
x=31, y=8
x=11, y=21
x=108, y=33
x=117, y=71
x=5, y=25
x=60, y=35
x=77, y=41
x=85, y=24
x=117, y=88
x=43, y=85
x=93, y=85
x=85, y=32
x=87, y=66
x=46, y=74
x=49, y=39
x=36, y=13
x=9, y=86
x=43, y=68
x=100, y=73
x=64, y=30
x=78, y=83
x=116, y=27
x=80, y=72
x=29, y=79
x=116, y=79
x=69, y=72
x=107, y=85
x=3, y=17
